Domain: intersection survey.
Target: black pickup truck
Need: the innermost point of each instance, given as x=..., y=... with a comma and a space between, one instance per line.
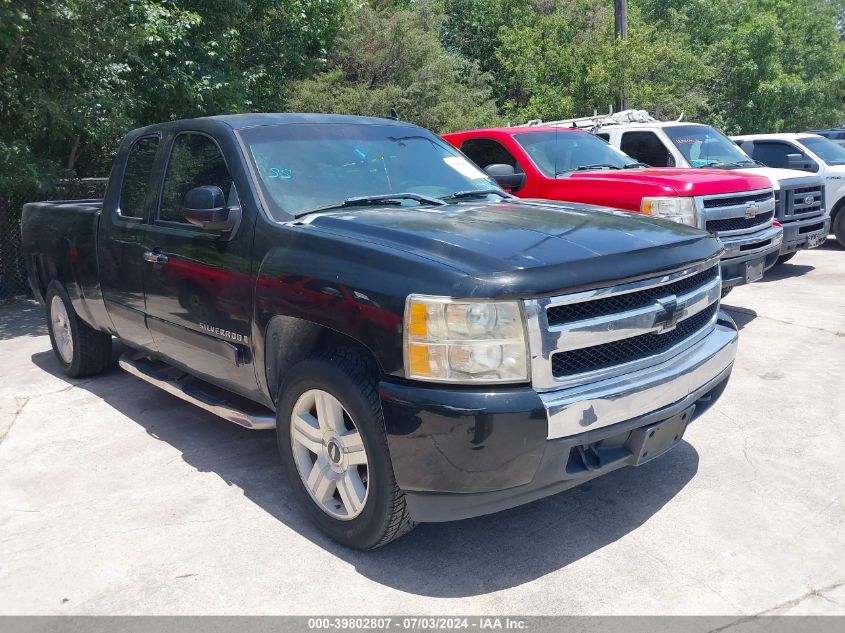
x=426, y=346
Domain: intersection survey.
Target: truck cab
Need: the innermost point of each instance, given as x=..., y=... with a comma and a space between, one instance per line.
x=564, y=163
x=816, y=156
x=683, y=144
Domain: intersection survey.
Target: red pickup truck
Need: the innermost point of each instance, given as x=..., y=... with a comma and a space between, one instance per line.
x=573, y=165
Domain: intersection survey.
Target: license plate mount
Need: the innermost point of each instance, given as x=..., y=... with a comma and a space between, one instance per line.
x=754, y=270
x=815, y=240
x=652, y=441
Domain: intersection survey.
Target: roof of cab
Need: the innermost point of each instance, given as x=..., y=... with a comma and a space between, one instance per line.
x=518, y=129
x=248, y=120
x=240, y=121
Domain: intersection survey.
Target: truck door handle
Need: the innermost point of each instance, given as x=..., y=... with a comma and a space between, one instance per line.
x=154, y=257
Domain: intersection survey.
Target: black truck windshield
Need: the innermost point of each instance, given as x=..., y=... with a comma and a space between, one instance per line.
x=301, y=167
x=827, y=150
x=704, y=146
x=564, y=152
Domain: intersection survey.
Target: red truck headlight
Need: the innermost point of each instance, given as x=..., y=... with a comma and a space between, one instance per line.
x=680, y=210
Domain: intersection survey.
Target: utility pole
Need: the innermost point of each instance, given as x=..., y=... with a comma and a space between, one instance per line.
x=620, y=31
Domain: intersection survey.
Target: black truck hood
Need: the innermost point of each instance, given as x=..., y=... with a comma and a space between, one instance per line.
x=525, y=248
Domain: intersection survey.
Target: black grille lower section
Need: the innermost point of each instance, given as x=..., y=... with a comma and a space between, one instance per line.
x=558, y=315
x=737, y=224
x=618, y=352
x=733, y=201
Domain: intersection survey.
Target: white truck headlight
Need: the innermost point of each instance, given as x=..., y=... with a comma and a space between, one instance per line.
x=680, y=210
x=464, y=341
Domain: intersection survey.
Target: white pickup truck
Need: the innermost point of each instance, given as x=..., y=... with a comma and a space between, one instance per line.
x=810, y=153
x=799, y=196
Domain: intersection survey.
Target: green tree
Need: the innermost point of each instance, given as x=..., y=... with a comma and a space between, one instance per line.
x=393, y=58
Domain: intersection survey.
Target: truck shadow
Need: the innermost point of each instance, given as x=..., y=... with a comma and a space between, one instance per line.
x=465, y=558
x=741, y=316
x=24, y=318
x=785, y=271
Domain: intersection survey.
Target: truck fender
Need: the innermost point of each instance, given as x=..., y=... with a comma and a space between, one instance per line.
x=289, y=340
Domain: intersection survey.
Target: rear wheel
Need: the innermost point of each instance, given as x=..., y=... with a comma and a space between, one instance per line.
x=80, y=349
x=839, y=227
x=333, y=445
x=785, y=258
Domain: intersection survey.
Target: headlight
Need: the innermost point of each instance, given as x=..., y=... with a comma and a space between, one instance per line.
x=680, y=210
x=448, y=340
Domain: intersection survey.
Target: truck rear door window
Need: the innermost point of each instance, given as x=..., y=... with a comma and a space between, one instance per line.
x=136, y=177
x=647, y=148
x=195, y=161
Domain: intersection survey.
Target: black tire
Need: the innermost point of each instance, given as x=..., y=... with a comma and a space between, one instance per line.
x=839, y=227
x=726, y=291
x=346, y=375
x=785, y=258
x=92, y=349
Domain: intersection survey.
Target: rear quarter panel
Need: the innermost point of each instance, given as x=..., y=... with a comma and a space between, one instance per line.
x=59, y=242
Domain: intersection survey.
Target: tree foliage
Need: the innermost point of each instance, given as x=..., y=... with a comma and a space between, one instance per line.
x=394, y=59
x=75, y=75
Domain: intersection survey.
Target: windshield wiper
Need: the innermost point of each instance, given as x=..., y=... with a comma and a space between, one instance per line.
x=587, y=168
x=392, y=199
x=633, y=165
x=475, y=193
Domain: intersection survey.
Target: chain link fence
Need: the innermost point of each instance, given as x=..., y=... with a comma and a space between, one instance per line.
x=13, y=282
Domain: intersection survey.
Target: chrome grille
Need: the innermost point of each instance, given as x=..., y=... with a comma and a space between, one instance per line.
x=596, y=334
x=737, y=224
x=731, y=214
x=794, y=202
x=558, y=315
x=626, y=350
x=732, y=201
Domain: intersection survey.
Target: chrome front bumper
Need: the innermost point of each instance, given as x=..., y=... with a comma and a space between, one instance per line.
x=797, y=234
x=751, y=245
x=685, y=377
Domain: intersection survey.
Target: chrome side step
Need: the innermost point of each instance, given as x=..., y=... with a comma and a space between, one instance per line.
x=193, y=390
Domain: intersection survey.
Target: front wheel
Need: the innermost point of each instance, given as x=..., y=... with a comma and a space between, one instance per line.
x=785, y=258
x=333, y=445
x=839, y=227
x=80, y=349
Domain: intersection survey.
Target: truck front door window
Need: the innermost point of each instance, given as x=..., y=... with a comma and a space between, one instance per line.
x=194, y=161
x=136, y=178
x=774, y=153
x=485, y=152
x=647, y=148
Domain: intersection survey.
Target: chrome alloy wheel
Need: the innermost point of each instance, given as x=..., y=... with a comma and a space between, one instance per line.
x=60, y=323
x=329, y=454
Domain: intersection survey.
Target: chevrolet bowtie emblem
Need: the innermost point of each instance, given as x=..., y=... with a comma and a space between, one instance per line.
x=669, y=314
x=751, y=210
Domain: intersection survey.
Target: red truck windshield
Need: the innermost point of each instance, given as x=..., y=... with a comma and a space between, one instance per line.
x=561, y=153
x=300, y=167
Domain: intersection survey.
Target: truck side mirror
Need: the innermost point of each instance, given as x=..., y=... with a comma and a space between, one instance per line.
x=206, y=208
x=798, y=161
x=505, y=176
